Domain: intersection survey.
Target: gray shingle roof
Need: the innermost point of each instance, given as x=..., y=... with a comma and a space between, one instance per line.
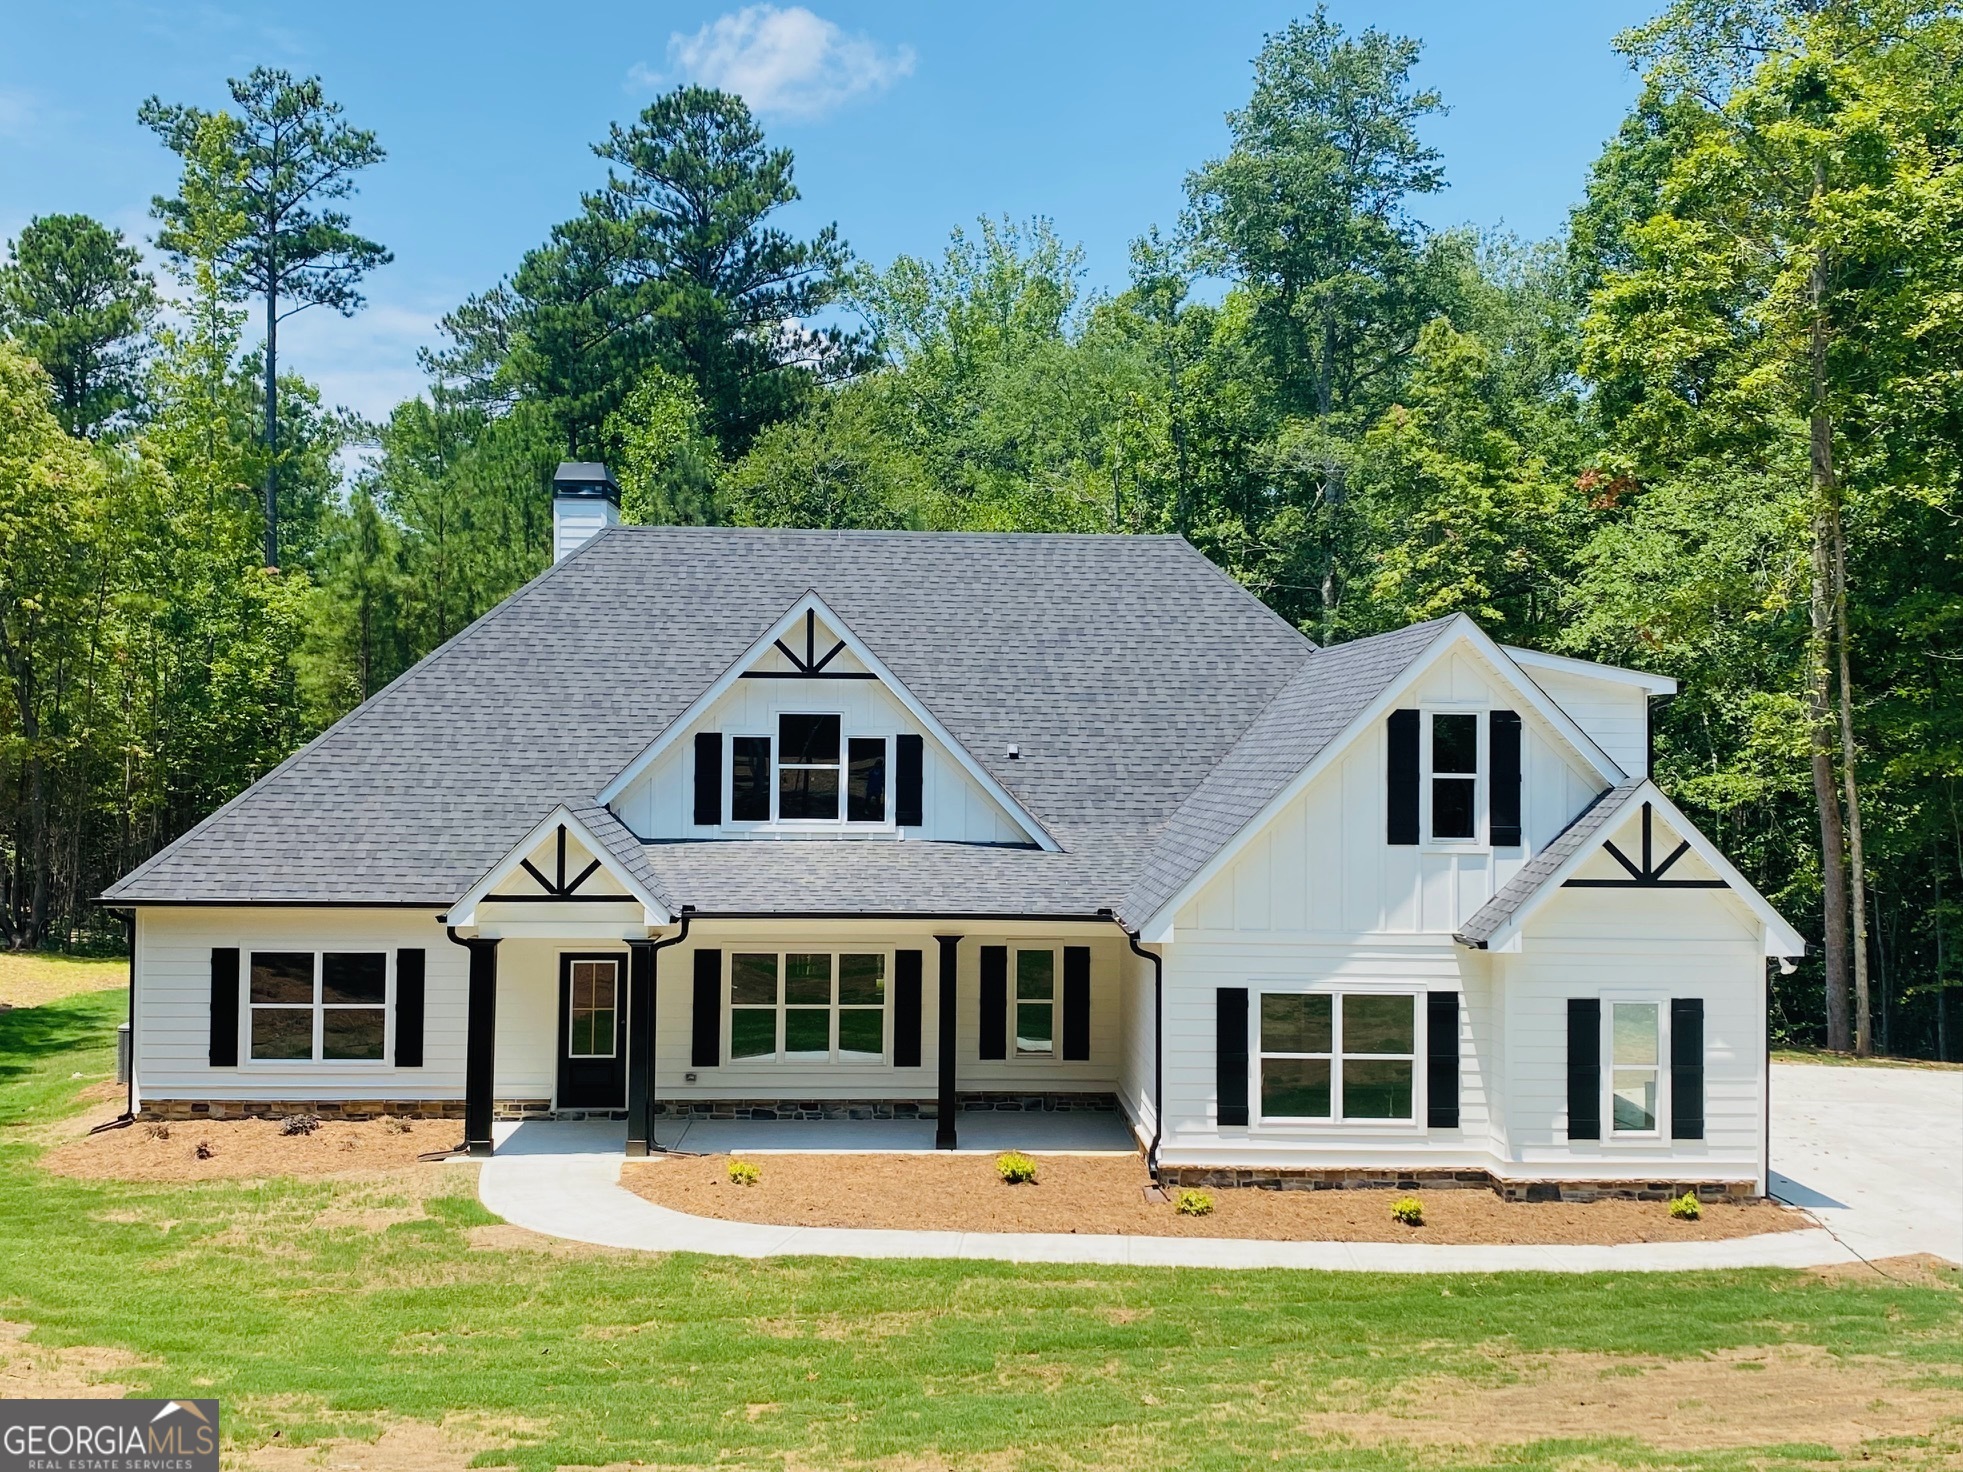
x=1485, y=922
x=1125, y=668
x=1328, y=692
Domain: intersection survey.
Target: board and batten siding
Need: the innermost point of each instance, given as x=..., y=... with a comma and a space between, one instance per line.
x=1322, y=865
x=659, y=803
x=173, y=1004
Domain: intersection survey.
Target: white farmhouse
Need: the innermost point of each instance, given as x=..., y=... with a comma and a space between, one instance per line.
x=711, y=821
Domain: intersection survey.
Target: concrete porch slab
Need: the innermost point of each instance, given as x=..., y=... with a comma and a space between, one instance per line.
x=977, y=1131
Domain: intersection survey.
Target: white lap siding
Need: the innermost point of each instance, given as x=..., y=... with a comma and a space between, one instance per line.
x=1636, y=945
x=820, y=1080
x=173, y=1004
x=1137, y=1053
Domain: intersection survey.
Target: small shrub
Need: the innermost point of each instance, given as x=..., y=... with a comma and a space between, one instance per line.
x=206, y=1150
x=742, y=1173
x=1015, y=1168
x=1409, y=1210
x=1193, y=1203
x=396, y=1125
x=299, y=1124
x=157, y=1131
x=1685, y=1208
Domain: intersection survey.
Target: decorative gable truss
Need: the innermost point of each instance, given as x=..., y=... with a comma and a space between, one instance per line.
x=575, y=866
x=809, y=661
x=1588, y=857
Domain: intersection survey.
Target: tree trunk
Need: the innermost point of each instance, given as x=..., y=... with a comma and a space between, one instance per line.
x=272, y=427
x=1819, y=678
x=1856, y=852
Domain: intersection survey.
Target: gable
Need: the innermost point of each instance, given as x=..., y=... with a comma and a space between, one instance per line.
x=810, y=665
x=1322, y=863
x=572, y=867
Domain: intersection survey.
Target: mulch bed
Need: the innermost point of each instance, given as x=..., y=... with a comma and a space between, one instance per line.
x=247, y=1149
x=1104, y=1194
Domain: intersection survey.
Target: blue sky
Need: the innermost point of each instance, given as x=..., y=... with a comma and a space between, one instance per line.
x=905, y=120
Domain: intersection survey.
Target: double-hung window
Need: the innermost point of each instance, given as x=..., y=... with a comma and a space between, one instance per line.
x=807, y=1006
x=329, y=1006
x=1634, y=1067
x=1035, y=1004
x=1454, y=774
x=1338, y=1055
x=818, y=775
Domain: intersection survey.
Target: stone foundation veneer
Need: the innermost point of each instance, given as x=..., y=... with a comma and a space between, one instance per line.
x=173, y=1109
x=1276, y=1178
x=771, y=1109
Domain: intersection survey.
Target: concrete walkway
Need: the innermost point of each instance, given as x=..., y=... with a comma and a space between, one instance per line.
x=1875, y=1154
x=564, y=1180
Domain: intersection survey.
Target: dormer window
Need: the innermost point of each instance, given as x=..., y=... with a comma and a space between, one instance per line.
x=810, y=772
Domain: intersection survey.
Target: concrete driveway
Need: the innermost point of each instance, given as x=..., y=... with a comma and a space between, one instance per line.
x=1875, y=1153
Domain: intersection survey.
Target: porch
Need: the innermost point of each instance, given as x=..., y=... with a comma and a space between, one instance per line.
x=981, y=1132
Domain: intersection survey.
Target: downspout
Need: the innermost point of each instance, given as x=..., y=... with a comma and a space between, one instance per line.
x=654, y=1011
x=1158, y=1046
x=129, y=935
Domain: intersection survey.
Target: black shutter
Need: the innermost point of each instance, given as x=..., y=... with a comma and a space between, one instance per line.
x=1687, y=1068
x=708, y=779
x=705, y=1033
x=1504, y=746
x=1442, y=1061
x=993, y=1029
x=1584, y=1068
x=224, y=1007
x=1401, y=792
x=909, y=761
x=906, y=1009
x=1230, y=1052
x=409, y=1008
x=1076, y=1004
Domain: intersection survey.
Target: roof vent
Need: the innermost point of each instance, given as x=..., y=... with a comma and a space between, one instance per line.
x=585, y=502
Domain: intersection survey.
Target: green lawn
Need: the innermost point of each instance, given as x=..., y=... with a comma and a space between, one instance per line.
x=310, y=1330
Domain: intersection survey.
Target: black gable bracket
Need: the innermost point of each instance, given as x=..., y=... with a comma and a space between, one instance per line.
x=1647, y=875
x=810, y=665
x=560, y=889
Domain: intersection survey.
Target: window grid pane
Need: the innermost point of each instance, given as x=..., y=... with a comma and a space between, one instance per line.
x=830, y=1005
x=1295, y=1088
x=282, y=1032
x=1452, y=808
x=1035, y=1027
x=1455, y=743
x=749, y=779
x=1035, y=976
x=865, y=792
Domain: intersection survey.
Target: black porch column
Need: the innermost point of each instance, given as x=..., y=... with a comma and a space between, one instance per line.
x=944, y=1127
x=480, y=1046
x=640, y=1046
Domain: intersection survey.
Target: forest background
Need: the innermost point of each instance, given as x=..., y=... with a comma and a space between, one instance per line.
x=1711, y=430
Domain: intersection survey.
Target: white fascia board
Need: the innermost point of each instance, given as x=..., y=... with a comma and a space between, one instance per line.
x=1780, y=937
x=1588, y=669
x=812, y=603
x=1157, y=928
x=464, y=911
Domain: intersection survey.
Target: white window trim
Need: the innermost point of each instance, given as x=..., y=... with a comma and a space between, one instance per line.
x=1610, y=1135
x=1014, y=1052
x=776, y=824
x=1481, y=780
x=1295, y=1123
x=834, y=1058
x=319, y=1008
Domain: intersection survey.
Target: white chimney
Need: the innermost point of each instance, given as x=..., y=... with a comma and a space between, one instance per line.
x=585, y=502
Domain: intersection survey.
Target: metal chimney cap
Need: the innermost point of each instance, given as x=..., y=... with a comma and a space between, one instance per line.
x=584, y=478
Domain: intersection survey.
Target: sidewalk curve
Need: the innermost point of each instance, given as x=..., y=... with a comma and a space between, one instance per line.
x=579, y=1197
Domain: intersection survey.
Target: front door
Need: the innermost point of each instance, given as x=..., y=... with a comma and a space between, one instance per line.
x=593, y=1031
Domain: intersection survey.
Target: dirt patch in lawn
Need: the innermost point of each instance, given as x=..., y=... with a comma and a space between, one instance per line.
x=1104, y=1194
x=1781, y=1394
x=29, y=980
x=35, y=1372
x=246, y=1149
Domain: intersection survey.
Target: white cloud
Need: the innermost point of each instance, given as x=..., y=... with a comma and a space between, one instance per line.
x=790, y=61
x=17, y=113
